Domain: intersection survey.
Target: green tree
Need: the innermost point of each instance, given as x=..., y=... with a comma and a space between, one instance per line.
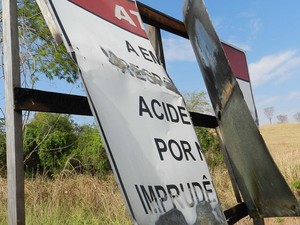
x=197, y=102
x=89, y=153
x=210, y=145
x=39, y=54
x=48, y=142
x=40, y=57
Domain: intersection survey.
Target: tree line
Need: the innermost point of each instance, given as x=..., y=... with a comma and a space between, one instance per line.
x=282, y=118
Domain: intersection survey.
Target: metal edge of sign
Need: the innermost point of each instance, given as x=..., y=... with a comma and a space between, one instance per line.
x=54, y=30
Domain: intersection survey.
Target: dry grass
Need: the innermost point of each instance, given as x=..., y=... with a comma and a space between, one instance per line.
x=73, y=200
x=283, y=141
x=87, y=200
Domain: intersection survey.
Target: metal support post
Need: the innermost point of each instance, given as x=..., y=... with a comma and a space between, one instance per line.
x=156, y=41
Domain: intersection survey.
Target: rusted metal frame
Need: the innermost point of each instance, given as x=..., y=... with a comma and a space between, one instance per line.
x=43, y=101
x=236, y=213
x=160, y=20
x=203, y=120
x=154, y=35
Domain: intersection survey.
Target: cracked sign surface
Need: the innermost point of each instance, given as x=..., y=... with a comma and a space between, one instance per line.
x=262, y=186
x=149, y=136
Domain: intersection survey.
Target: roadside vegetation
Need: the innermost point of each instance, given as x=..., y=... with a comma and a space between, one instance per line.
x=82, y=192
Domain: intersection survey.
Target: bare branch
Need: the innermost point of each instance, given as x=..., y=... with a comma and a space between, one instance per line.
x=42, y=141
x=269, y=113
x=2, y=112
x=49, y=150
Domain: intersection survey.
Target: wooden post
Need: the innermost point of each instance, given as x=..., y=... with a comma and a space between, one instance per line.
x=14, y=145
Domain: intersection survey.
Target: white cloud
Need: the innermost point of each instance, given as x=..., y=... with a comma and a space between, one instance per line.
x=294, y=95
x=267, y=102
x=255, y=26
x=274, y=67
x=178, y=49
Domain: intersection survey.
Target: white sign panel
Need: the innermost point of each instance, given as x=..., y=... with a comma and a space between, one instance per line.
x=247, y=92
x=149, y=136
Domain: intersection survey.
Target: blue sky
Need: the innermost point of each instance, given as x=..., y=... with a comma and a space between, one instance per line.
x=268, y=31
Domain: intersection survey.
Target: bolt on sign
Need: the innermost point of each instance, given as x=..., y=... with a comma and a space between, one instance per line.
x=149, y=136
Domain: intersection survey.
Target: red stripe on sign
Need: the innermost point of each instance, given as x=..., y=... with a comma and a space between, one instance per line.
x=122, y=13
x=237, y=61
